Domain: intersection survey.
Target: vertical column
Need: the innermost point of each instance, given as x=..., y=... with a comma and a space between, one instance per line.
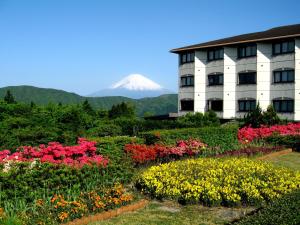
x=264, y=76
x=297, y=80
x=229, y=95
x=200, y=81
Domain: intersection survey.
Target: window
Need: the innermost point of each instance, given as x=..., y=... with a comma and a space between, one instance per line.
x=284, y=76
x=187, y=57
x=247, y=78
x=187, y=105
x=187, y=80
x=215, y=54
x=283, y=105
x=246, y=105
x=215, y=105
x=283, y=47
x=247, y=50
x=215, y=79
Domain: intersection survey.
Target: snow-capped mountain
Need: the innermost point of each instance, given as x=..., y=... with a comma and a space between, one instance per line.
x=133, y=86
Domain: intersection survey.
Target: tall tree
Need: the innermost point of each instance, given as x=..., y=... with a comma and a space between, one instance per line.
x=9, y=98
x=87, y=107
x=121, y=110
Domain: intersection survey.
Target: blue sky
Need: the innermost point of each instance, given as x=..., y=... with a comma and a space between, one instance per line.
x=86, y=45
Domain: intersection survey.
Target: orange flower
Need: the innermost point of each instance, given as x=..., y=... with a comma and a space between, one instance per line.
x=40, y=202
x=62, y=216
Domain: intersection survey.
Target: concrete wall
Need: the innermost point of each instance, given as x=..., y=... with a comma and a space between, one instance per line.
x=229, y=89
x=297, y=80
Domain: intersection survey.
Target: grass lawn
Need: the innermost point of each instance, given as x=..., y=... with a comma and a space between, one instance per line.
x=291, y=160
x=171, y=213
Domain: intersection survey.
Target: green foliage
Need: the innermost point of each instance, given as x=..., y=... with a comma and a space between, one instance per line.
x=9, y=98
x=199, y=119
x=257, y=117
x=291, y=141
x=121, y=110
x=270, y=116
x=254, y=117
x=103, y=130
x=87, y=107
x=282, y=211
x=219, y=139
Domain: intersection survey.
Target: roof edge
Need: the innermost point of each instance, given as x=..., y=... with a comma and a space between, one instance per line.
x=192, y=47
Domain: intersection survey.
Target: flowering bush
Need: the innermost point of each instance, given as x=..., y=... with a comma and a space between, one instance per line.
x=82, y=154
x=217, y=181
x=144, y=153
x=248, y=134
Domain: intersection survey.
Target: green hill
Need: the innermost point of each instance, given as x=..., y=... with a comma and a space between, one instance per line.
x=42, y=96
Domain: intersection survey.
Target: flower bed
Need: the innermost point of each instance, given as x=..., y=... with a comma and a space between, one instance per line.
x=248, y=134
x=145, y=153
x=219, y=182
x=60, y=209
x=82, y=154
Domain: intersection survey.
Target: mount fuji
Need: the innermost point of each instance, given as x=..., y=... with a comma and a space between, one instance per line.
x=133, y=86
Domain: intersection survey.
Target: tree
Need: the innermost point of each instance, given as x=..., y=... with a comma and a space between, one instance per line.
x=270, y=116
x=254, y=118
x=87, y=107
x=121, y=110
x=9, y=98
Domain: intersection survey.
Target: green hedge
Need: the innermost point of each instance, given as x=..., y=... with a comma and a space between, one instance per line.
x=290, y=141
x=218, y=138
x=285, y=211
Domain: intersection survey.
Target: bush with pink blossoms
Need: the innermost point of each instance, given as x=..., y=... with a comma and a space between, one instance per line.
x=79, y=155
x=249, y=134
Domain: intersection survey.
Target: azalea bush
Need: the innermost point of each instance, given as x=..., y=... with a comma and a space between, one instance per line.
x=249, y=134
x=82, y=154
x=211, y=181
x=145, y=153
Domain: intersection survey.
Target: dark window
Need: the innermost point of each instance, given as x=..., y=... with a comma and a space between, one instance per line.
x=215, y=79
x=187, y=57
x=283, y=47
x=187, y=105
x=215, y=54
x=283, y=105
x=215, y=105
x=247, y=78
x=247, y=50
x=187, y=81
x=283, y=76
x=246, y=105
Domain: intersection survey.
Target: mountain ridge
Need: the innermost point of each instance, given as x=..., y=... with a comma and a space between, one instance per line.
x=156, y=105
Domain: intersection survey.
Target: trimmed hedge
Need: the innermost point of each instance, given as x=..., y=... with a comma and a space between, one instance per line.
x=285, y=211
x=220, y=139
x=291, y=141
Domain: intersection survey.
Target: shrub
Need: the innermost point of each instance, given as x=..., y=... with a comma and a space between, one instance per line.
x=143, y=153
x=291, y=141
x=219, y=181
x=104, y=130
x=285, y=211
x=251, y=150
x=219, y=139
x=248, y=134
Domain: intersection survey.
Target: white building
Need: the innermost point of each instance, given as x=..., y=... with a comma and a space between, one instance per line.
x=231, y=75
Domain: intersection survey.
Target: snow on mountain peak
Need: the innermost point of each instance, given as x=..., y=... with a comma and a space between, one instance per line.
x=137, y=82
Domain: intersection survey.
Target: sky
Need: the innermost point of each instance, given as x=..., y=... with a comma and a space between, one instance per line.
x=83, y=46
